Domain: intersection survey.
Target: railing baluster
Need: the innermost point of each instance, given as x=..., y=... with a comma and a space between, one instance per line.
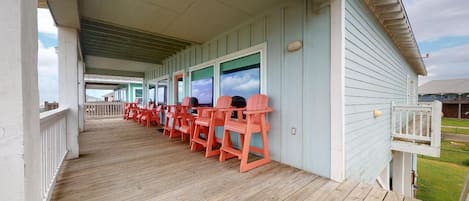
x=420, y=121
x=413, y=122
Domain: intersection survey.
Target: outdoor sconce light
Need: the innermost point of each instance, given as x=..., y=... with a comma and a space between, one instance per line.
x=294, y=46
x=377, y=113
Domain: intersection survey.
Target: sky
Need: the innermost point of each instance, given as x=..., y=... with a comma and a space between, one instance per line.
x=441, y=28
x=48, y=61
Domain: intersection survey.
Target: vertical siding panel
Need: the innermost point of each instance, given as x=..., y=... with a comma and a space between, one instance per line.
x=292, y=87
x=258, y=31
x=192, y=56
x=187, y=58
x=274, y=80
x=222, y=46
x=232, y=42
x=244, y=37
x=316, y=78
x=213, y=50
x=205, y=52
x=198, y=54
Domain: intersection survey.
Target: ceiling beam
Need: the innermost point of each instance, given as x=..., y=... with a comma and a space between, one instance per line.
x=98, y=71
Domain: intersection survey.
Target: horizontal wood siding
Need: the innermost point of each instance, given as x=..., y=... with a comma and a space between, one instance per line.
x=375, y=75
x=297, y=82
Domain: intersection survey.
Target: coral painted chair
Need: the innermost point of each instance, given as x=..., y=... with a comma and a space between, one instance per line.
x=173, y=114
x=153, y=116
x=128, y=108
x=214, y=117
x=255, y=111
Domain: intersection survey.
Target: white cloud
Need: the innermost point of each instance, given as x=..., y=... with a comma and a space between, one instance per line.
x=433, y=19
x=47, y=73
x=450, y=63
x=45, y=21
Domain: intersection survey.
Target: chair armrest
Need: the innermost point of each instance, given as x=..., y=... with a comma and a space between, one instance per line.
x=258, y=111
x=232, y=109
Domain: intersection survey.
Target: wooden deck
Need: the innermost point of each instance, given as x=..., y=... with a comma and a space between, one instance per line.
x=120, y=160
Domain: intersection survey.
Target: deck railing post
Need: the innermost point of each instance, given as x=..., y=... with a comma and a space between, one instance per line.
x=436, y=124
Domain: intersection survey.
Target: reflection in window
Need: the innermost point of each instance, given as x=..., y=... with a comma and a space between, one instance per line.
x=241, y=77
x=180, y=90
x=202, y=86
x=203, y=91
x=161, y=91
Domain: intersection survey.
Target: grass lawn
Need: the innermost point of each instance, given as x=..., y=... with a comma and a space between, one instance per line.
x=455, y=122
x=452, y=152
x=442, y=178
x=439, y=181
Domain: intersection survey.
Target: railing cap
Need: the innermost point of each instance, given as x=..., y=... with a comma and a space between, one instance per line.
x=45, y=116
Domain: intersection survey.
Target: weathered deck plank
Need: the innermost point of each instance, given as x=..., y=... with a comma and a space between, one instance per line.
x=120, y=160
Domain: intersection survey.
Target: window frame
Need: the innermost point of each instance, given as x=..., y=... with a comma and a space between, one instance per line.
x=261, y=49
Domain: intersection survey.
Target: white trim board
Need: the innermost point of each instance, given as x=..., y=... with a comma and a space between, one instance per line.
x=337, y=90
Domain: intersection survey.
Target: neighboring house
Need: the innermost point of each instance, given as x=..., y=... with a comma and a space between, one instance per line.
x=128, y=92
x=109, y=97
x=339, y=74
x=454, y=94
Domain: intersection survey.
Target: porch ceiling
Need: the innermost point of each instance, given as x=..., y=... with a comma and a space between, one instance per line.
x=114, y=41
x=189, y=20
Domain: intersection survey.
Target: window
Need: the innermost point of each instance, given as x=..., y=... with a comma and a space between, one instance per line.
x=202, y=86
x=151, y=93
x=138, y=94
x=241, y=77
x=179, y=91
x=162, y=91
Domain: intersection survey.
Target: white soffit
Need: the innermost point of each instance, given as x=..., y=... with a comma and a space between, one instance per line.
x=190, y=20
x=392, y=15
x=118, y=64
x=65, y=13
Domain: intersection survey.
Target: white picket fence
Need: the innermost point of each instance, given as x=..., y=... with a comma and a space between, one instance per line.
x=53, y=148
x=96, y=110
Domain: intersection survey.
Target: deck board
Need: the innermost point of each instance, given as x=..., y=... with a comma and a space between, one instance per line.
x=120, y=160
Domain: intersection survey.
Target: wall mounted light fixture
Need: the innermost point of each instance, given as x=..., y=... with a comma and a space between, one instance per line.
x=294, y=45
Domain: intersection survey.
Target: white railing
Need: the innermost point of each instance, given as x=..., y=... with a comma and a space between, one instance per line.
x=95, y=110
x=418, y=124
x=53, y=148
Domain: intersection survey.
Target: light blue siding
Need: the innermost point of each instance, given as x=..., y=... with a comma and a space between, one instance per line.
x=375, y=75
x=297, y=82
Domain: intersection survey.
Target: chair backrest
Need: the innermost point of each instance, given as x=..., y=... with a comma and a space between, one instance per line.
x=257, y=102
x=186, y=101
x=222, y=102
x=152, y=105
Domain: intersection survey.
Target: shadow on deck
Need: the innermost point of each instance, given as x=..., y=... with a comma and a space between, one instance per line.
x=120, y=160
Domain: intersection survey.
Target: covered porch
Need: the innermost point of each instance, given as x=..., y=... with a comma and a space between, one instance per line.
x=120, y=160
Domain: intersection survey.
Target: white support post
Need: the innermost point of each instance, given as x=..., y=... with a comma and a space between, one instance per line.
x=81, y=96
x=20, y=162
x=337, y=90
x=436, y=124
x=402, y=173
x=68, y=85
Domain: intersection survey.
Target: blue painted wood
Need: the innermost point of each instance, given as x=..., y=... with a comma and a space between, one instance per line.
x=298, y=82
x=375, y=74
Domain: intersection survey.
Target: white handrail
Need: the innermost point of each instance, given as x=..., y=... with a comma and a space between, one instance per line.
x=103, y=109
x=53, y=147
x=417, y=123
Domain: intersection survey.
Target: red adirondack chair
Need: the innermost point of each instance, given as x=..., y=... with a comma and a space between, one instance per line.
x=128, y=108
x=153, y=116
x=255, y=111
x=215, y=117
x=173, y=114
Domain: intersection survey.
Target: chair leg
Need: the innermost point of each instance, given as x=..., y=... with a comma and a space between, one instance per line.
x=245, y=152
x=210, y=142
x=194, y=145
x=166, y=127
x=224, y=144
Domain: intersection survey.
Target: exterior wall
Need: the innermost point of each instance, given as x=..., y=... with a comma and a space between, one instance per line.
x=132, y=87
x=297, y=82
x=375, y=75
